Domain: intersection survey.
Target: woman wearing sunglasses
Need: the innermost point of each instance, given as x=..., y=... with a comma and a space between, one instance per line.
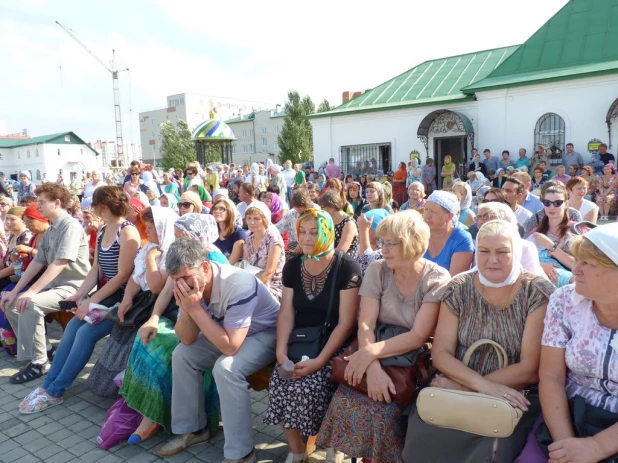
x=553, y=234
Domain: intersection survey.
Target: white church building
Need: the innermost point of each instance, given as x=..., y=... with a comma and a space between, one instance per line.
x=559, y=87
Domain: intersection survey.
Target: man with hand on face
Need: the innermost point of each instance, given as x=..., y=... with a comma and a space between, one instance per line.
x=226, y=322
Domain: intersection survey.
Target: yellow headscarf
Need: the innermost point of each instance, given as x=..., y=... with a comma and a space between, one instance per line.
x=325, y=243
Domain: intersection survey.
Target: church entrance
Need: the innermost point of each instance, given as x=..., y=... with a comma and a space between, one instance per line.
x=457, y=148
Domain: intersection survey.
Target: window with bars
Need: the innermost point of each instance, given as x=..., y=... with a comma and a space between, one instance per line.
x=550, y=131
x=365, y=159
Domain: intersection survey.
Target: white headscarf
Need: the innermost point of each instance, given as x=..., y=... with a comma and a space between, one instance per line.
x=163, y=218
x=517, y=246
x=467, y=201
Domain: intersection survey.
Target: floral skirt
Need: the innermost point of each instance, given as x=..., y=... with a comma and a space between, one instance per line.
x=302, y=403
x=361, y=427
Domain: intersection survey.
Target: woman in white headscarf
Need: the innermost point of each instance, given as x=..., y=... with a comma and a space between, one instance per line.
x=256, y=179
x=499, y=301
x=466, y=215
x=92, y=185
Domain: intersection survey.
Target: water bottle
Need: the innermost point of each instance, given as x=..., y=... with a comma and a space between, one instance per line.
x=18, y=268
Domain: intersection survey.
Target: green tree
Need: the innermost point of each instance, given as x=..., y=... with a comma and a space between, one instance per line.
x=325, y=106
x=177, y=149
x=296, y=137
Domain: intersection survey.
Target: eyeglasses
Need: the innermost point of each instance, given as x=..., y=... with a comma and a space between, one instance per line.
x=40, y=203
x=4, y=204
x=387, y=246
x=556, y=203
x=190, y=173
x=487, y=217
x=219, y=209
x=185, y=204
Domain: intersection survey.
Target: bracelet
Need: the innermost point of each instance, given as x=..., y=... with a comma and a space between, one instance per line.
x=555, y=246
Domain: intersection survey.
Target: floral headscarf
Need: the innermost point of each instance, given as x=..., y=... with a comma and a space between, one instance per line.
x=164, y=219
x=325, y=243
x=275, y=204
x=448, y=201
x=201, y=227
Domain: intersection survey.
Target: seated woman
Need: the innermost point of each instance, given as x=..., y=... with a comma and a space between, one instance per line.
x=169, y=185
x=500, y=178
x=117, y=246
x=147, y=384
x=388, y=196
x=538, y=179
x=579, y=361
x=607, y=185
x=376, y=198
x=552, y=236
x=473, y=182
x=416, y=201
x=134, y=216
x=450, y=246
x=399, y=293
x=190, y=203
x=494, y=195
x=264, y=248
x=169, y=200
x=152, y=194
x=355, y=198
x=300, y=202
x=231, y=235
x=336, y=185
x=466, y=215
x=346, y=232
x=368, y=242
x=591, y=179
x=299, y=405
x=534, y=221
x=131, y=186
x=146, y=283
x=499, y=211
x=18, y=234
x=578, y=189
x=272, y=200
x=499, y=301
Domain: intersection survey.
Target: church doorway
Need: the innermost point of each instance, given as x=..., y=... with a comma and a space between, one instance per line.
x=457, y=148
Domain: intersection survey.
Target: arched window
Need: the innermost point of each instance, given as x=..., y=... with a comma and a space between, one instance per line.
x=36, y=153
x=550, y=131
x=38, y=174
x=28, y=153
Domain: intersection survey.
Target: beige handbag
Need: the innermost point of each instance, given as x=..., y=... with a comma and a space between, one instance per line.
x=471, y=412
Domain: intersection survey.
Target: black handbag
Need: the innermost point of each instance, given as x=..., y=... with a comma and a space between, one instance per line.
x=587, y=421
x=138, y=314
x=310, y=341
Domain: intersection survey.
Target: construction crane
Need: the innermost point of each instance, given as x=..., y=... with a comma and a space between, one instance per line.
x=113, y=69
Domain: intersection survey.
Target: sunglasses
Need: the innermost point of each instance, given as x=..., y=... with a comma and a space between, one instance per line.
x=557, y=203
x=134, y=173
x=185, y=204
x=190, y=173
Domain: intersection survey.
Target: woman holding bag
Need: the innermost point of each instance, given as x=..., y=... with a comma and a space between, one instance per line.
x=319, y=280
x=498, y=301
x=399, y=294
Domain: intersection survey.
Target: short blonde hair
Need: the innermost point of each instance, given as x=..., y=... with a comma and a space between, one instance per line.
x=584, y=249
x=252, y=210
x=420, y=186
x=410, y=230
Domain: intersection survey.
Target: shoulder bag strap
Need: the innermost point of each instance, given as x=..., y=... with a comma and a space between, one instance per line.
x=503, y=359
x=333, y=288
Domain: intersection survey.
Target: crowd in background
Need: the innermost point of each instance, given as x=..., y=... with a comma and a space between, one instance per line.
x=212, y=274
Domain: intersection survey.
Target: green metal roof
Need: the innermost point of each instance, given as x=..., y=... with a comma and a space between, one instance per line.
x=55, y=138
x=432, y=82
x=580, y=40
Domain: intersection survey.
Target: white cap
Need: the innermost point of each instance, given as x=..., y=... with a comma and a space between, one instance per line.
x=605, y=238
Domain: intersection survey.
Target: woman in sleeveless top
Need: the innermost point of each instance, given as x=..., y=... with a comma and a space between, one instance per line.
x=346, y=232
x=118, y=243
x=145, y=284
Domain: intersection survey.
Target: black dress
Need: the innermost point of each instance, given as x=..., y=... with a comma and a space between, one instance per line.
x=353, y=249
x=302, y=404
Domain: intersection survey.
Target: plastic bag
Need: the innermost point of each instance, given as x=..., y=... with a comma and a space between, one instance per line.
x=119, y=378
x=120, y=422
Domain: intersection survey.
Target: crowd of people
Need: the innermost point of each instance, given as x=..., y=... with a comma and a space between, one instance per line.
x=199, y=278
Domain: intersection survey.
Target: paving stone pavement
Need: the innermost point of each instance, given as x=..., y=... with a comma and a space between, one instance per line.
x=68, y=432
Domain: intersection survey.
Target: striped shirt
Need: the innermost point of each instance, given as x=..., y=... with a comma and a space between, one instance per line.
x=108, y=257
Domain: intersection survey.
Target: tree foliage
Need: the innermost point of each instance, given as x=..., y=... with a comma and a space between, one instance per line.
x=325, y=106
x=296, y=137
x=177, y=149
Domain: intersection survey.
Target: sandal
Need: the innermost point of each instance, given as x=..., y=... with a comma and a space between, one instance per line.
x=32, y=395
x=28, y=373
x=40, y=403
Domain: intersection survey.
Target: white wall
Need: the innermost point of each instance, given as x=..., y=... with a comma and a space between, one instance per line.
x=502, y=119
x=508, y=117
x=72, y=158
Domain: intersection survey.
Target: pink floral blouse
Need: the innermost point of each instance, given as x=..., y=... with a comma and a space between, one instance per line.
x=591, y=349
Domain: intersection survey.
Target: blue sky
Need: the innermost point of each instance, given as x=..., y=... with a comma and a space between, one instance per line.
x=241, y=49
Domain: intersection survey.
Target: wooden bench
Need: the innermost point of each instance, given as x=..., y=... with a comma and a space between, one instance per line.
x=259, y=381
x=62, y=317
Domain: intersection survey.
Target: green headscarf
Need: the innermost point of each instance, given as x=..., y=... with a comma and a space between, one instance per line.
x=325, y=243
x=448, y=166
x=204, y=195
